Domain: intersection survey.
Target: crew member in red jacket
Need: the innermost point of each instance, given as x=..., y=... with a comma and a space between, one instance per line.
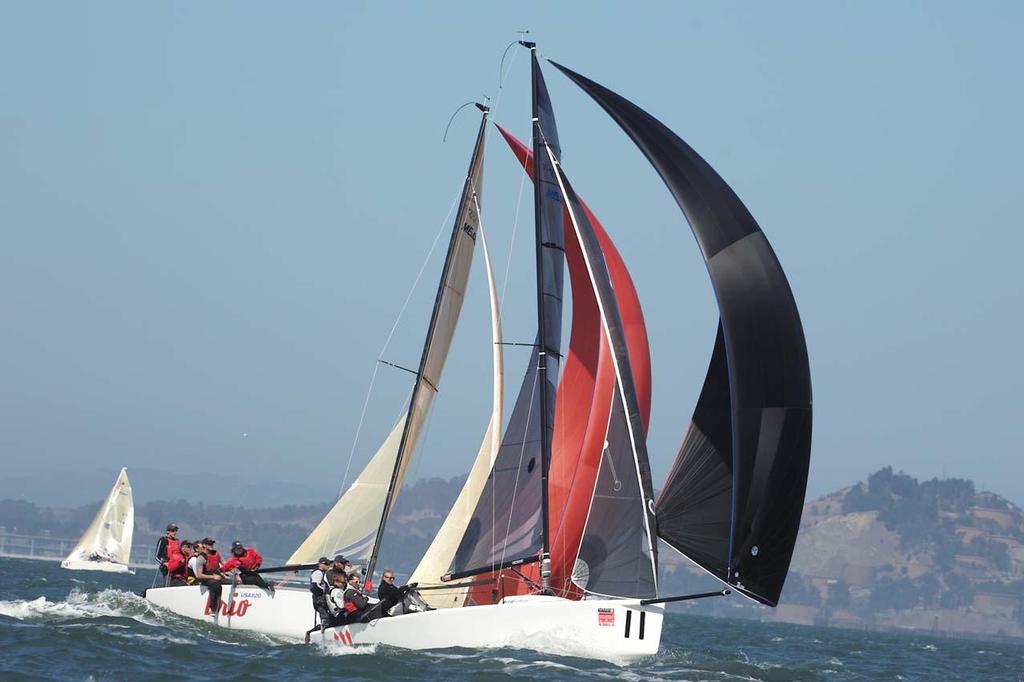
x=212, y=556
x=177, y=566
x=247, y=560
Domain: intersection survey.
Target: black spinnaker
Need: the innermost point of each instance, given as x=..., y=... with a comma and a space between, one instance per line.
x=733, y=500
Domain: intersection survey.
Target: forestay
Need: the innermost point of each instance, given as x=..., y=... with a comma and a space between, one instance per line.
x=618, y=552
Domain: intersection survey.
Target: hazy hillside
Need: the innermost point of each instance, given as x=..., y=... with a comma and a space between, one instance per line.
x=891, y=552
x=276, y=531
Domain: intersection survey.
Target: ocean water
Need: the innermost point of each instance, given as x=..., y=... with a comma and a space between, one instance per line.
x=75, y=625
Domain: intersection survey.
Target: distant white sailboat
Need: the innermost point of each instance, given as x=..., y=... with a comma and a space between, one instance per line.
x=106, y=545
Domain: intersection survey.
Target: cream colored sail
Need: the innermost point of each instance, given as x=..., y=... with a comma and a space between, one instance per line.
x=354, y=525
x=438, y=557
x=108, y=539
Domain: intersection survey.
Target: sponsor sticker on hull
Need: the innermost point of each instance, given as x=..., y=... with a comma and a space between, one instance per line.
x=606, y=617
x=237, y=608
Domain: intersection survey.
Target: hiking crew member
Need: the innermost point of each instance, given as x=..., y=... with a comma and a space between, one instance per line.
x=339, y=567
x=212, y=556
x=166, y=546
x=320, y=589
x=199, y=573
x=177, y=565
x=357, y=604
x=247, y=560
x=336, y=600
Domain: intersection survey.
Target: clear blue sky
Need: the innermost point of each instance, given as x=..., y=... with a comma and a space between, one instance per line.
x=210, y=215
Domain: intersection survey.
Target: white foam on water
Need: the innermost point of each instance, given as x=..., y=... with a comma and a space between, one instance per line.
x=249, y=638
x=572, y=671
x=78, y=604
x=558, y=644
x=330, y=647
x=154, y=638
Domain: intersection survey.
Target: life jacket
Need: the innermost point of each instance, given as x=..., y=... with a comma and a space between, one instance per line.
x=351, y=606
x=212, y=561
x=166, y=547
x=336, y=600
x=248, y=562
x=317, y=583
x=177, y=567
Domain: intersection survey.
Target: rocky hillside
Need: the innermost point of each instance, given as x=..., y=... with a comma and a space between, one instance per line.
x=895, y=552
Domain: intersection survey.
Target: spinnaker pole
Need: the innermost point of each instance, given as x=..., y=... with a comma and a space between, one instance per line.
x=469, y=192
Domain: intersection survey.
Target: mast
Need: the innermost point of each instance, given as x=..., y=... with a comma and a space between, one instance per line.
x=469, y=193
x=542, y=358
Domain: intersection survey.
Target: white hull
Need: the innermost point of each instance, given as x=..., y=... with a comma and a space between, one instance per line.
x=609, y=629
x=105, y=566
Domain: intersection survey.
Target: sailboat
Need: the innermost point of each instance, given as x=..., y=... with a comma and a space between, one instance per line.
x=106, y=545
x=553, y=541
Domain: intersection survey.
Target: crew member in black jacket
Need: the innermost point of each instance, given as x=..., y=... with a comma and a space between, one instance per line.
x=389, y=594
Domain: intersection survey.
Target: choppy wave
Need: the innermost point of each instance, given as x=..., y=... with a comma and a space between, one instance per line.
x=77, y=626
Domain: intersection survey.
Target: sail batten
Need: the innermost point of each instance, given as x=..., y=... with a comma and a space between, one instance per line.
x=733, y=500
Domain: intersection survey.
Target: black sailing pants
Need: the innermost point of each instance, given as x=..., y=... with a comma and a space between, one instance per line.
x=214, y=586
x=248, y=578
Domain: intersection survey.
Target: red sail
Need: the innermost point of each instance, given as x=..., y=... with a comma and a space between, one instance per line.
x=584, y=396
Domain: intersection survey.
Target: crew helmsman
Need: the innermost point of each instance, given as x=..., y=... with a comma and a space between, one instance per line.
x=247, y=560
x=391, y=595
x=319, y=588
x=167, y=546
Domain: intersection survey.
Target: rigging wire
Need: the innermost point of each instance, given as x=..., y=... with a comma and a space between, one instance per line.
x=391, y=334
